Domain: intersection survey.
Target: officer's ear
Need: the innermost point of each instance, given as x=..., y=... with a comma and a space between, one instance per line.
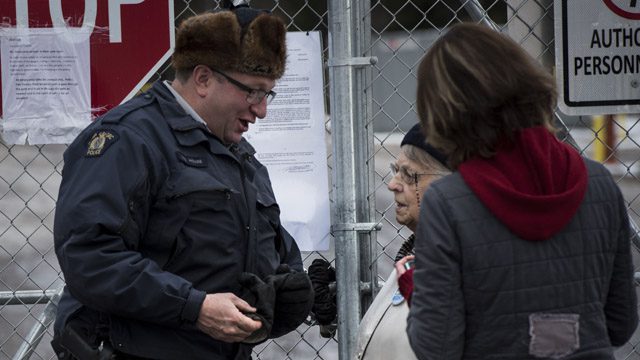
x=203, y=78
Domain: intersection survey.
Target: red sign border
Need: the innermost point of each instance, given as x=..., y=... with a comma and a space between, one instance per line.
x=625, y=14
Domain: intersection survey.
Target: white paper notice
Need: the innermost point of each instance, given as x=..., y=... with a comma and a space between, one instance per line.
x=46, y=96
x=290, y=142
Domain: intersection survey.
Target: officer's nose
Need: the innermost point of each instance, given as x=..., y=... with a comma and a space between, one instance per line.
x=259, y=109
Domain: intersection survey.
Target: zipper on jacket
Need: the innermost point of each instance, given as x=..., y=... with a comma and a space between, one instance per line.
x=242, y=159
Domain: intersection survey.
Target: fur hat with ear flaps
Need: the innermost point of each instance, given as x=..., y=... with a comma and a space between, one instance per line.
x=245, y=40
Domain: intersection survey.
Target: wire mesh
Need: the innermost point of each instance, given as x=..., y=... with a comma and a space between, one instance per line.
x=401, y=32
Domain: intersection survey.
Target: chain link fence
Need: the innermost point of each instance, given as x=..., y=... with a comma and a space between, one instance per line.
x=397, y=33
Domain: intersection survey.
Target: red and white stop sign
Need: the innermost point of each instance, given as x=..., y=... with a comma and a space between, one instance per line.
x=130, y=39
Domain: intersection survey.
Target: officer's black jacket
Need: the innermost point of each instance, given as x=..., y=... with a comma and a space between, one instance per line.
x=153, y=213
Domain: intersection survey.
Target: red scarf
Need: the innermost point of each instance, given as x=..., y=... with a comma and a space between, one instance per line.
x=405, y=285
x=534, y=185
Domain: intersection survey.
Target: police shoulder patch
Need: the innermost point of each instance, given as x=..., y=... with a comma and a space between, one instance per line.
x=100, y=141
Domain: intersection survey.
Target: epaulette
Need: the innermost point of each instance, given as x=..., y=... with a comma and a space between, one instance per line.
x=116, y=114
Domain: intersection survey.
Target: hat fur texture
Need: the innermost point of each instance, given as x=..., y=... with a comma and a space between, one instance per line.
x=218, y=40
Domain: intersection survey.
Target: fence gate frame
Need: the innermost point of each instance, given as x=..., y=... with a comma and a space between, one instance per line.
x=350, y=65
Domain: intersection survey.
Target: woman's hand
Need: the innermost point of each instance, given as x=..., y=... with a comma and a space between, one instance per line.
x=404, y=264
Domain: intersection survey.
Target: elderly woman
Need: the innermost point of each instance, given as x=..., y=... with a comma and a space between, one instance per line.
x=382, y=330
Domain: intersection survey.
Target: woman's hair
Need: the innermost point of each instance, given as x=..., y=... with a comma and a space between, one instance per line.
x=421, y=157
x=476, y=87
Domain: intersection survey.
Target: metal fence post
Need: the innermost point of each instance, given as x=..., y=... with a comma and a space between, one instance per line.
x=37, y=332
x=364, y=141
x=351, y=177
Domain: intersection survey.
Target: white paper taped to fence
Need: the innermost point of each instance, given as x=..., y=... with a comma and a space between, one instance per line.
x=46, y=87
x=290, y=142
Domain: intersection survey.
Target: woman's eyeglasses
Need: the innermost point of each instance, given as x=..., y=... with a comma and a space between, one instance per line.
x=409, y=177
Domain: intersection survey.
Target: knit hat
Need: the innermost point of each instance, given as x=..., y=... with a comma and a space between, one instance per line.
x=243, y=39
x=416, y=137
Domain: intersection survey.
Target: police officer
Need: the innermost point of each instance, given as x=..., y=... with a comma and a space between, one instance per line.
x=167, y=229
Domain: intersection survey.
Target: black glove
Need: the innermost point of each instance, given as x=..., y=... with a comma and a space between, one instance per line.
x=261, y=296
x=324, y=307
x=294, y=299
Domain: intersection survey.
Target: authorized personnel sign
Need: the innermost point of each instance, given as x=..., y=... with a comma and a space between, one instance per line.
x=598, y=56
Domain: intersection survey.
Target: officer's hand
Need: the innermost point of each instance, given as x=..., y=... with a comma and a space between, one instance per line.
x=221, y=317
x=294, y=299
x=262, y=296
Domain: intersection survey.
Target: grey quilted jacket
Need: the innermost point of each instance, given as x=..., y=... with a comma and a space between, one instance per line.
x=478, y=288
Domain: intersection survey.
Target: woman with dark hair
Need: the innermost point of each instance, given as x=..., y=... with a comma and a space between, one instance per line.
x=524, y=251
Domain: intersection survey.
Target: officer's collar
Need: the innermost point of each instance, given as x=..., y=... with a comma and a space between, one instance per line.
x=177, y=118
x=185, y=105
x=188, y=132
x=243, y=147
